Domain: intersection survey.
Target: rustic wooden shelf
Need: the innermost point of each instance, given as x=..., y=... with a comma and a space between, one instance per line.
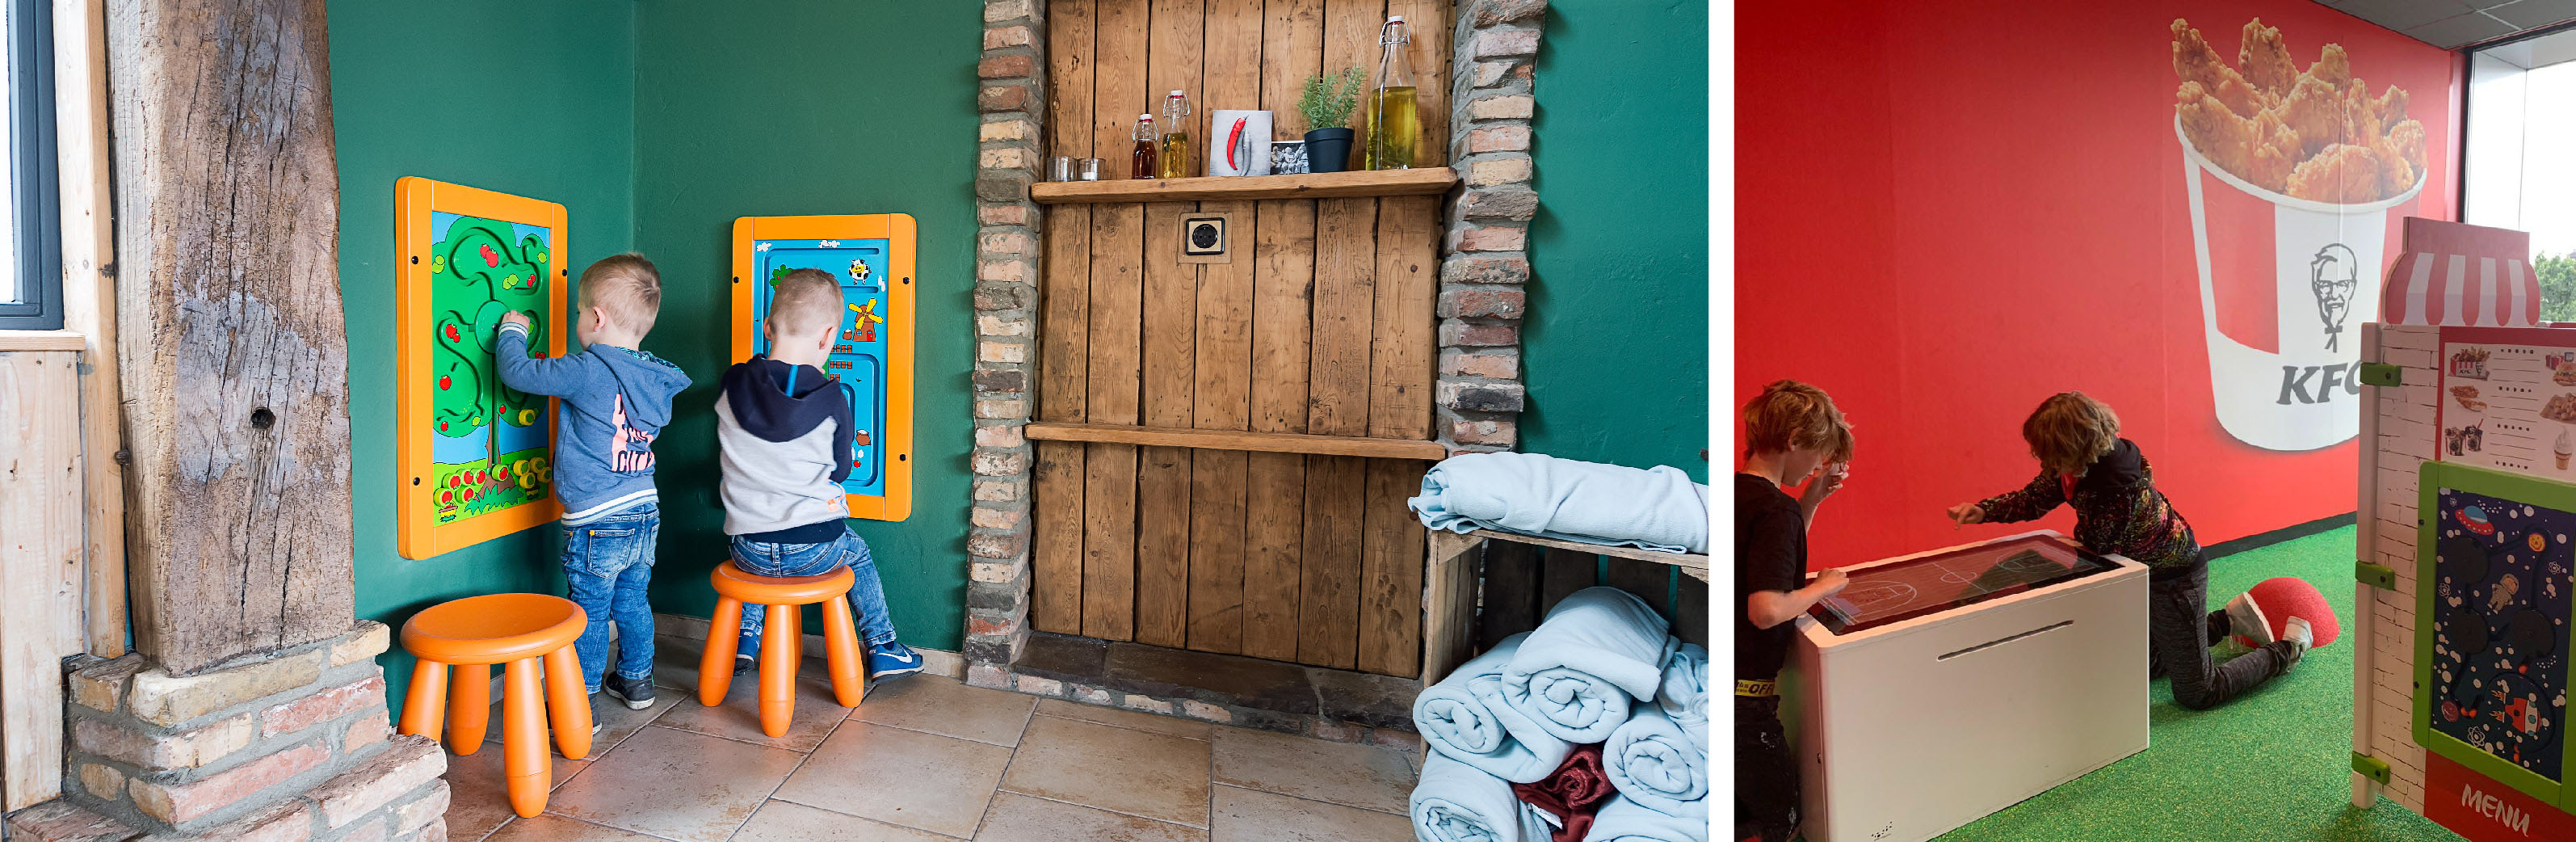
x=1239, y=440
x=1414, y=182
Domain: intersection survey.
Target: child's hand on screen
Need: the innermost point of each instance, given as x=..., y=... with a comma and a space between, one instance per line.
x=1832, y=581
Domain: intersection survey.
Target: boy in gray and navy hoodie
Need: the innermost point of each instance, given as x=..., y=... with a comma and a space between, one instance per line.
x=615, y=400
x=783, y=426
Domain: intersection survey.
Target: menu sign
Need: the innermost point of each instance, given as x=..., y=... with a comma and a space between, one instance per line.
x=2508, y=400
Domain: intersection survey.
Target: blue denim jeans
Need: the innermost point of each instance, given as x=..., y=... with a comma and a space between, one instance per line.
x=607, y=563
x=867, y=594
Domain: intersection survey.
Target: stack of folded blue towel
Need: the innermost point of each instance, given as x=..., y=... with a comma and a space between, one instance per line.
x=1587, y=502
x=1601, y=669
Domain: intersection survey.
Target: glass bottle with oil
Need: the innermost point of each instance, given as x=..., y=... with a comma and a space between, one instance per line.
x=1176, y=136
x=1392, y=123
x=1144, y=162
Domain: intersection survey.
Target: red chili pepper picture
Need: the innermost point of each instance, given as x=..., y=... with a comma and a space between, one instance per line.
x=1234, y=139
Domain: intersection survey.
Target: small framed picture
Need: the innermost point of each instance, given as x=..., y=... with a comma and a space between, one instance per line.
x=1288, y=157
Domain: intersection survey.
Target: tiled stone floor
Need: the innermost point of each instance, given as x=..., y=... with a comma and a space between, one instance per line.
x=928, y=758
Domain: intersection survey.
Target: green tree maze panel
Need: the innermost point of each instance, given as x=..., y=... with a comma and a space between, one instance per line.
x=490, y=448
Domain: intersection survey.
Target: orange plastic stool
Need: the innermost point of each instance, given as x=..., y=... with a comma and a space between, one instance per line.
x=782, y=643
x=519, y=630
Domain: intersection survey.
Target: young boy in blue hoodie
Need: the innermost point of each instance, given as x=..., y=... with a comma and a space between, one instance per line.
x=783, y=426
x=615, y=400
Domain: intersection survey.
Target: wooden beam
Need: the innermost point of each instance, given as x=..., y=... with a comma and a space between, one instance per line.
x=1361, y=183
x=40, y=559
x=89, y=306
x=42, y=340
x=1239, y=440
x=230, y=331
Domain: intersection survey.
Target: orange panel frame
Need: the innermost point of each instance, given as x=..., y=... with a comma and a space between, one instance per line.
x=898, y=231
x=420, y=536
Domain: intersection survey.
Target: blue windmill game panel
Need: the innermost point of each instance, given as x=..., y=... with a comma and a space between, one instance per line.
x=858, y=352
x=2501, y=596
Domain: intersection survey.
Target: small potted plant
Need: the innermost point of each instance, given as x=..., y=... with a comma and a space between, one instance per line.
x=1327, y=105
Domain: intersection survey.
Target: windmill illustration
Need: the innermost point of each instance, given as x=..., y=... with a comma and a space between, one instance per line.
x=2333, y=275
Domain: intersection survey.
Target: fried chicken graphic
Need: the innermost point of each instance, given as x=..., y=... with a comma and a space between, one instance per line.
x=2316, y=134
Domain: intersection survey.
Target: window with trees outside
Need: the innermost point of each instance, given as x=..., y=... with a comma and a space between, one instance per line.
x=2516, y=172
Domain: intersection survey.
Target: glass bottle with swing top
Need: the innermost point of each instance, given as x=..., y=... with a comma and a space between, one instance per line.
x=1393, y=124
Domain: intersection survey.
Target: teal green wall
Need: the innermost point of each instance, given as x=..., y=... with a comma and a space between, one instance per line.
x=812, y=107
x=1615, y=351
x=658, y=122
x=743, y=111
x=534, y=99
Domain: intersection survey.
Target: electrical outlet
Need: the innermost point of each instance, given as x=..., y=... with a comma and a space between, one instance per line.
x=1204, y=237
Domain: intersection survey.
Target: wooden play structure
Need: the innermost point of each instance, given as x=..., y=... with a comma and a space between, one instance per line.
x=1224, y=449
x=2467, y=505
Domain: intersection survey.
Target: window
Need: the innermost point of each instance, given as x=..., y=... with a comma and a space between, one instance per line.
x=31, y=284
x=2515, y=170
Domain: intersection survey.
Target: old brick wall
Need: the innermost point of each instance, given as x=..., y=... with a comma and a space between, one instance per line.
x=292, y=747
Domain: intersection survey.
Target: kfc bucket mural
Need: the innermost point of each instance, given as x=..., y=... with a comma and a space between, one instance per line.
x=2295, y=177
x=2185, y=209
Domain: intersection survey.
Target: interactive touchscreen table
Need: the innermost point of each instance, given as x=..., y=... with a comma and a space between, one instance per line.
x=1940, y=687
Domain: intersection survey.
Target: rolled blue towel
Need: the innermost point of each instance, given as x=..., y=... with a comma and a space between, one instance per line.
x=1586, y=502
x=1684, y=693
x=1623, y=820
x=1458, y=718
x=1455, y=802
x=1653, y=763
x=1576, y=675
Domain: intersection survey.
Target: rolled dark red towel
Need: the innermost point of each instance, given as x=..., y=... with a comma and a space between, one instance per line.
x=1578, y=787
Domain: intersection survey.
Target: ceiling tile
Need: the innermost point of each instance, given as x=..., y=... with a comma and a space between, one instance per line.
x=2457, y=31
x=2534, y=13
x=2402, y=15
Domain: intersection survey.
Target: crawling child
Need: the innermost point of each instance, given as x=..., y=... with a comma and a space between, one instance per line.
x=2084, y=463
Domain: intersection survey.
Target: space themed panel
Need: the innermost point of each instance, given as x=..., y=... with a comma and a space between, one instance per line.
x=2499, y=584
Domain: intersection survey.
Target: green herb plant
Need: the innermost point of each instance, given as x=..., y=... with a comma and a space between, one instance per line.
x=1328, y=100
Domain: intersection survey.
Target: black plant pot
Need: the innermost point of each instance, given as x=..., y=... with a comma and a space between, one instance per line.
x=1328, y=150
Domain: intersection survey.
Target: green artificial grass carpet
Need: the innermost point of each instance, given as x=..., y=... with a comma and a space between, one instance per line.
x=2274, y=764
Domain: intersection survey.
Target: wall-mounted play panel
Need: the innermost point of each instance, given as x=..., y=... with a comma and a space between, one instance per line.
x=872, y=257
x=2491, y=636
x=474, y=456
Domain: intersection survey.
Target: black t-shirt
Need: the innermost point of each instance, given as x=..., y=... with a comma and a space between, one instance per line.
x=1770, y=555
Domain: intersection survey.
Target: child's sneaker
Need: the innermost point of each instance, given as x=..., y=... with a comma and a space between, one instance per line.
x=2247, y=619
x=892, y=659
x=743, y=664
x=2301, y=636
x=637, y=693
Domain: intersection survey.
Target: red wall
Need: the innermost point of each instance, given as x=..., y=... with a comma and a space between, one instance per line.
x=1948, y=211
